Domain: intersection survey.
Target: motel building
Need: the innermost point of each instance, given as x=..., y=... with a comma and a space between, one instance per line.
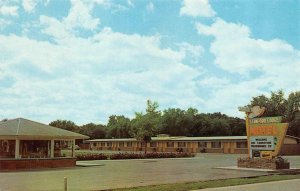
x=25, y=144
x=164, y=143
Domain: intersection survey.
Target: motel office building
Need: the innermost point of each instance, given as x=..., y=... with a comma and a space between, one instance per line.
x=26, y=144
x=226, y=144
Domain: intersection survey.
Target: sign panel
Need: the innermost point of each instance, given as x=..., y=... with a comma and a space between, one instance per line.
x=266, y=136
x=266, y=120
x=262, y=143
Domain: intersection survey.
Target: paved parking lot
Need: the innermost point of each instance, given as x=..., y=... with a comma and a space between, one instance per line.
x=128, y=173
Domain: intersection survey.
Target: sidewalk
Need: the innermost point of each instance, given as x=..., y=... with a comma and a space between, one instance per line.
x=290, y=185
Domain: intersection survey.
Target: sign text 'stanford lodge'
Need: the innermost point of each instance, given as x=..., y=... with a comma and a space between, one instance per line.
x=266, y=120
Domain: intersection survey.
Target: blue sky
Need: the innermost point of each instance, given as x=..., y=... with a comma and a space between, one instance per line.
x=84, y=60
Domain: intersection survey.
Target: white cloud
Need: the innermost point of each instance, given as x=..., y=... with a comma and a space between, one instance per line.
x=80, y=16
x=4, y=23
x=29, y=5
x=197, y=8
x=193, y=52
x=239, y=53
x=130, y=3
x=89, y=79
x=9, y=10
x=214, y=82
x=150, y=7
x=274, y=64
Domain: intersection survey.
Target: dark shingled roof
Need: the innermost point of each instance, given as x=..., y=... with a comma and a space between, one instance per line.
x=24, y=128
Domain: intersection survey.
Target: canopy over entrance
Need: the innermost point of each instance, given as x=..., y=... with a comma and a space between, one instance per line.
x=25, y=139
x=26, y=129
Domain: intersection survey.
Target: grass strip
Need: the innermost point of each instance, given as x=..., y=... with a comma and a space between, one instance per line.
x=210, y=184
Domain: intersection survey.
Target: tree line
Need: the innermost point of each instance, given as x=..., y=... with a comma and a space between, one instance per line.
x=190, y=122
x=172, y=121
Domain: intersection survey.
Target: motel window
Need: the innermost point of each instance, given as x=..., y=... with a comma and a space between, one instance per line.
x=61, y=148
x=216, y=144
x=34, y=149
x=108, y=144
x=129, y=144
x=170, y=144
x=7, y=148
x=102, y=144
x=202, y=144
x=121, y=144
x=153, y=144
x=181, y=144
x=241, y=144
x=142, y=144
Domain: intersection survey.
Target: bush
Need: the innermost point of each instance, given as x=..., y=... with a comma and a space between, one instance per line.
x=91, y=157
x=119, y=156
x=149, y=155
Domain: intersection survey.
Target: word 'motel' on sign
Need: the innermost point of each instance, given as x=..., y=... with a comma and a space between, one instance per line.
x=266, y=136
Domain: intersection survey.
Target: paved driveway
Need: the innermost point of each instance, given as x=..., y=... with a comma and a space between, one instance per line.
x=289, y=185
x=127, y=173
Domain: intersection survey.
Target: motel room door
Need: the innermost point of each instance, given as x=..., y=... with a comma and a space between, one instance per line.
x=228, y=147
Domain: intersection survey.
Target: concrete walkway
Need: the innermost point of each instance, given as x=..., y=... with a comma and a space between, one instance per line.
x=288, y=185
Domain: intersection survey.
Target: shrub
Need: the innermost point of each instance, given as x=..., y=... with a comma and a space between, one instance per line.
x=126, y=156
x=149, y=155
x=99, y=156
x=118, y=156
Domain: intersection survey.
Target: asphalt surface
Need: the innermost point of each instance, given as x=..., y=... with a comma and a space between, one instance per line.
x=283, y=185
x=128, y=173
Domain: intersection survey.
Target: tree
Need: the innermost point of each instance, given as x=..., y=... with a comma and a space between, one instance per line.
x=4, y=120
x=144, y=126
x=276, y=105
x=94, y=131
x=172, y=122
x=293, y=104
x=118, y=127
x=293, y=109
x=65, y=124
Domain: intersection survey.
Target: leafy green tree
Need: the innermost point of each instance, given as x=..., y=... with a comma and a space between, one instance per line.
x=65, y=124
x=292, y=113
x=293, y=104
x=276, y=105
x=94, y=131
x=144, y=126
x=237, y=126
x=118, y=127
x=172, y=122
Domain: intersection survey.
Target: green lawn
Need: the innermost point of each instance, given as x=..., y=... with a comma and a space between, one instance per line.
x=210, y=184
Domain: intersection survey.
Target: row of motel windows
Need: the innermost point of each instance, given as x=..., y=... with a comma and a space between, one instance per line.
x=202, y=144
